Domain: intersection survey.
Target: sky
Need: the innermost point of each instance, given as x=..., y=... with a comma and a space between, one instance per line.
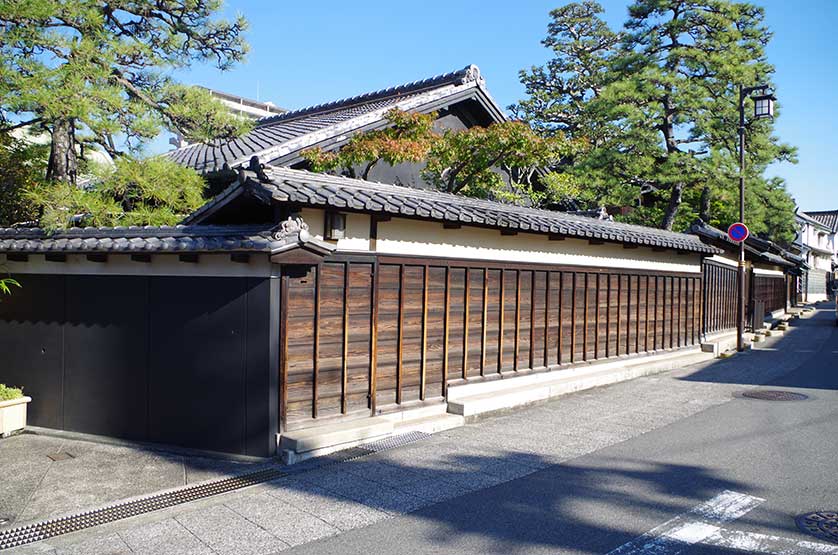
x=306, y=53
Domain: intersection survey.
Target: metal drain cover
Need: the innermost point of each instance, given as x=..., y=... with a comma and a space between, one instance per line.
x=61, y=456
x=822, y=524
x=774, y=395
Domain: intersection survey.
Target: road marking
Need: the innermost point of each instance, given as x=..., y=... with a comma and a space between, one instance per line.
x=694, y=526
x=751, y=542
x=702, y=525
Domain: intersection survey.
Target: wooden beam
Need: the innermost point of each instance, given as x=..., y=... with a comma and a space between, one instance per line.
x=465, y=321
x=451, y=225
x=191, y=257
x=424, y=354
x=240, y=257
x=146, y=258
x=344, y=373
x=373, y=233
x=659, y=249
x=596, y=242
x=556, y=237
x=17, y=257
x=315, y=356
x=507, y=231
x=99, y=257
x=55, y=257
x=630, y=246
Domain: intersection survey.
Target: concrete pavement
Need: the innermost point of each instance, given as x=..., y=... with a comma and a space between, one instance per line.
x=568, y=476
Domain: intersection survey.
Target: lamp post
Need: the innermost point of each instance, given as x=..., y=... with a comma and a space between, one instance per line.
x=763, y=108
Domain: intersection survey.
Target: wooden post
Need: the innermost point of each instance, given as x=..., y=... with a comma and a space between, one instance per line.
x=374, y=339
x=585, y=320
x=316, y=347
x=573, y=318
x=424, y=354
x=561, y=324
x=399, y=355
x=547, y=276
x=344, y=388
x=485, y=320
x=517, y=318
x=283, y=371
x=501, y=303
x=445, y=325
x=532, y=319
x=608, y=317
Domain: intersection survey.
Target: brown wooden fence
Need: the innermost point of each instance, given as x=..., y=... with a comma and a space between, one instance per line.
x=366, y=335
x=771, y=290
x=719, y=297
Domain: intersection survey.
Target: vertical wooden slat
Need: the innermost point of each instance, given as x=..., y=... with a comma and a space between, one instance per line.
x=663, y=314
x=608, y=317
x=446, y=326
x=561, y=325
x=628, y=314
x=585, y=321
x=315, y=356
x=424, y=354
x=547, y=276
x=344, y=371
x=637, y=318
x=501, y=302
x=485, y=319
x=573, y=318
x=400, y=338
x=646, y=332
x=517, y=318
x=532, y=319
x=374, y=338
x=465, y=323
x=596, y=316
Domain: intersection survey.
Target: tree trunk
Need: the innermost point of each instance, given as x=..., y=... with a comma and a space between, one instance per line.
x=704, y=213
x=672, y=207
x=63, y=162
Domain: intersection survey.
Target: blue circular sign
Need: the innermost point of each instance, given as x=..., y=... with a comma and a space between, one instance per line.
x=738, y=232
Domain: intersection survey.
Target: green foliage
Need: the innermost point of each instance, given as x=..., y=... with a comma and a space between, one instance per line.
x=655, y=105
x=89, y=71
x=155, y=191
x=499, y=161
x=408, y=138
x=10, y=393
x=22, y=167
x=6, y=285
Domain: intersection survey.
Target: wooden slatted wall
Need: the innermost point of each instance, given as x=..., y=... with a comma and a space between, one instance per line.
x=719, y=297
x=362, y=337
x=771, y=290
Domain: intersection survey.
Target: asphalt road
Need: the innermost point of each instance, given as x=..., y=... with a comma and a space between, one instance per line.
x=781, y=455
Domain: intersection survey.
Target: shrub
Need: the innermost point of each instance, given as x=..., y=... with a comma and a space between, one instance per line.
x=9, y=393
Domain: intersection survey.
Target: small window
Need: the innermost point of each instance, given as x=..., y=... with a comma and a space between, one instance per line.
x=335, y=226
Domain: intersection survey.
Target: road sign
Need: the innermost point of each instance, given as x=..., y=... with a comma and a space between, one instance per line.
x=738, y=232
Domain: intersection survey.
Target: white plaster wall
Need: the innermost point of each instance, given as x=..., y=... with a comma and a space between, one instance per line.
x=726, y=259
x=419, y=238
x=357, y=236
x=763, y=272
x=218, y=265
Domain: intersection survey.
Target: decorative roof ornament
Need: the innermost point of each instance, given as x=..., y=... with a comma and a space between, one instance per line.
x=472, y=74
x=293, y=226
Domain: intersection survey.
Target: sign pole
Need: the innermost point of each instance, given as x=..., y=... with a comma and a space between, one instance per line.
x=740, y=309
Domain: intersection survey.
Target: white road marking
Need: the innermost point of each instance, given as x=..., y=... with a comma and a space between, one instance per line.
x=676, y=534
x=702, y=525
x=750, y=542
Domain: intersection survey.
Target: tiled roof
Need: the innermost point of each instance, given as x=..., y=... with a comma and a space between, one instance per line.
x=759, y=248
x=135, y=240
x=829, y=218
x=305, y=188
x=296, y=130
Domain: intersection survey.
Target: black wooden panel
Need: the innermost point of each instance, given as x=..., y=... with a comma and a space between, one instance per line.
x=31, y=344
x=106, y=346
x=260, y=440
x=197, y=387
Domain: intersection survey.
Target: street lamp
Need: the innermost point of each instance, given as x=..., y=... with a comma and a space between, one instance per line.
x=763, y=108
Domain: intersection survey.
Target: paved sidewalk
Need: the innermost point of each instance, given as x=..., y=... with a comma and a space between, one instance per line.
x=299, y=509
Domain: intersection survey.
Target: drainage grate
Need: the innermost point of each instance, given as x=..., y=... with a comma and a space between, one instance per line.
x=61, y=456
x=822, y=524
x=154, y=502
x=774, y=395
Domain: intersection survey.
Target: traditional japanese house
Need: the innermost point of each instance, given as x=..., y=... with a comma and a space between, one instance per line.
x=294, y=300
